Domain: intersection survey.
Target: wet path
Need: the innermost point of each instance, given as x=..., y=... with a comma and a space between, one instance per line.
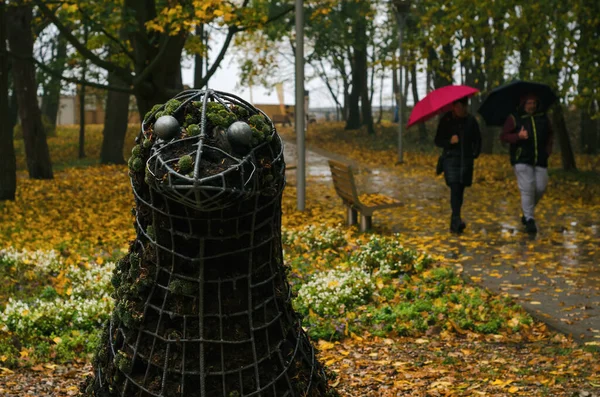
x=555, y=275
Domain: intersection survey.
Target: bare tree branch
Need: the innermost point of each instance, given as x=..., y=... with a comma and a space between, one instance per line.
x=325, y=78
x=51, y=71
x=231, y=32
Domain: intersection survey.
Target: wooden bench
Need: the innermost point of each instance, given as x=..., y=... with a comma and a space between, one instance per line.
x=343, y=181
x=281, y=119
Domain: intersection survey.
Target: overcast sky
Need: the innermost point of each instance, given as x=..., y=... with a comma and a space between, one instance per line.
x=227, y=79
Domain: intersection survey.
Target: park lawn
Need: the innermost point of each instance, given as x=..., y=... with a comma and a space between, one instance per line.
x=415, y=325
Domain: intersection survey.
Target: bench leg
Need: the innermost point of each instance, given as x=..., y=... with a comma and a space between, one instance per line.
x=366, y=223
x=351, y=216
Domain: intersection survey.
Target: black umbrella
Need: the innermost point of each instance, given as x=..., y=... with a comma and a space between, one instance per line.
x=504, y=100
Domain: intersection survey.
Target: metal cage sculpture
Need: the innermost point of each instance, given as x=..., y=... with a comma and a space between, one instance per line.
x=203, y=306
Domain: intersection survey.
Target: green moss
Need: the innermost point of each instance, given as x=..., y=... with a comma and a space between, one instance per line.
x=136, y=164
x=172, y=105
x=154, y=108
x=150, y=232
x=241, y=112
x=136, y=151
x=189, y=119
x=214, y=107
x=123, y=362
x=219, y=115
x=257, y=121
x=116, y=278
x=221, y=119
x=193, y=130
x=183, y=287
x=185, y=163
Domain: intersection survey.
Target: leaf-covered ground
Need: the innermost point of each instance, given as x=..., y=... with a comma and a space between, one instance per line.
x=80, y=215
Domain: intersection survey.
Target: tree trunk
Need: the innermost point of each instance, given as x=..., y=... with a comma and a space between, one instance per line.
x=20, y=39
x=484, y=80
x=380, y=98
x=353, y=120
x=8, y=165
x=524, y=52
x=360, y=84
x=428, y=77
x=367, y=112
x=405, y=96
x=82, y=101
x=371, y=79
x=82, y=118
x=164, y=81
x=441, y=67
x=51, y=97
x=415, y=94
x=396, y=92
x=587, y=69
x=346, y=108
x=13, y=104
x=552, y=73
x=589, y=132
x=447, y=65
x=560, y=129
x=115, y=124
x=198, y=59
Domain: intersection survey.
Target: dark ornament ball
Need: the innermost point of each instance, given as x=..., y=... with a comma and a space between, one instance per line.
x=239, y=135
x=166, y=127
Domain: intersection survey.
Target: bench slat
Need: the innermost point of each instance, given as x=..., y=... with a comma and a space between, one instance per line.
x=345, y=187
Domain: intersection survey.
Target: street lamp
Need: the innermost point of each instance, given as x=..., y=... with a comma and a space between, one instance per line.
x=402, y=7
x=299, y=108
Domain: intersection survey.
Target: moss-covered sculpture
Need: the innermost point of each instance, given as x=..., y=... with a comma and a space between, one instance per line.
x=202, y=301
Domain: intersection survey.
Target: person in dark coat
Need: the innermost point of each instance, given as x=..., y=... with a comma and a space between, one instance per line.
x=530, y=136
x=458, y=134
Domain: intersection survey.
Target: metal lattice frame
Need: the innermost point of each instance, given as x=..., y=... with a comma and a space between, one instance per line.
x=203, y=304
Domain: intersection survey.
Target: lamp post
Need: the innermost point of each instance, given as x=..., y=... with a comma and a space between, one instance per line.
x=299, y=108
x=401, y=7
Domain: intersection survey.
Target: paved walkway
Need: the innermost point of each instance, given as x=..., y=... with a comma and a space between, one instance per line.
x=554, y=275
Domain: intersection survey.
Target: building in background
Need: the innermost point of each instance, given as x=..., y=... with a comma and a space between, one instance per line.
x=95, y=103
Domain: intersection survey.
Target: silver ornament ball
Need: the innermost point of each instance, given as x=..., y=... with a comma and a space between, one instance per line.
x=167, y=127
x=239, y=134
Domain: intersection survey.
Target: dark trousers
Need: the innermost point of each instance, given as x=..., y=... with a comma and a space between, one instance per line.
x=457, y=192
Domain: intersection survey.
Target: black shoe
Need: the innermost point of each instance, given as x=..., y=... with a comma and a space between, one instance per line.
x=455, y=224
x=523, y=220
x=462, y=226
x=530, y=226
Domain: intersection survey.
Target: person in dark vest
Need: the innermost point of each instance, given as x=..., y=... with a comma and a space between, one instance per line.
x=458, y=134
x=530, y=136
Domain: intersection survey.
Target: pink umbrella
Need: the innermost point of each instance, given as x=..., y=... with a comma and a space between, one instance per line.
x=439, y=101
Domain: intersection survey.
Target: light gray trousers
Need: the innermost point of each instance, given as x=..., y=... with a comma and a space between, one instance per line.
x=532, y=184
